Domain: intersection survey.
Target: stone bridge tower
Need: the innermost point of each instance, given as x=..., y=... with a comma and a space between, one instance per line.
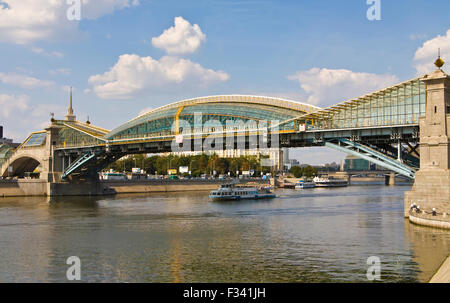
x=431, y=188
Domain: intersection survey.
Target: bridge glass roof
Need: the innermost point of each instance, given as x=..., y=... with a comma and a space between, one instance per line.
x=36, y=139
x=5, y=152
x=402, y=104
x=159, y=122
x=79, y=134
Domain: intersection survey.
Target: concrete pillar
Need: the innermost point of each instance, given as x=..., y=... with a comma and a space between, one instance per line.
x=52, y=163
x=392, y=179
x=389, y=179
x=432, y=184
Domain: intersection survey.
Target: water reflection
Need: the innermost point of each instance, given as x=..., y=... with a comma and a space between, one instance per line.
x=301, y=236
x=430, y=247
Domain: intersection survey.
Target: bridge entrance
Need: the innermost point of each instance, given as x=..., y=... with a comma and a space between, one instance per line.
x=22, y=167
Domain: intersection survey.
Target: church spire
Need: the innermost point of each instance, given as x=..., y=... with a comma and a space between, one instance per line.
x=70, y=116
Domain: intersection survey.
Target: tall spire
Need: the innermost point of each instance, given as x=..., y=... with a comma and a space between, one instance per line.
x=70, y=105
x=70, y=116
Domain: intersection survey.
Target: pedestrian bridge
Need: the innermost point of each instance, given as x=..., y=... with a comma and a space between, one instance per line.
x=382, y=127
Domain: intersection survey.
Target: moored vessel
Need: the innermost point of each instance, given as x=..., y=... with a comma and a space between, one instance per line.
x=325, y=182
x=304, y=184
x=234, y=192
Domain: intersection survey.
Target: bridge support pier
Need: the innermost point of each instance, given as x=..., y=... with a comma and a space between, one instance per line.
x=431, y=188
x=390, y=179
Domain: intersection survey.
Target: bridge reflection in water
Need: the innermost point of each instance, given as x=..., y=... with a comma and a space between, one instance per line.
x=179, y=237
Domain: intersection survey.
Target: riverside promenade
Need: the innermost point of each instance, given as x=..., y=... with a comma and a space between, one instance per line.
x=443, y=274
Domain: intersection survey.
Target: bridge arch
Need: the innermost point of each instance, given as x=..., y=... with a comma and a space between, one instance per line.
x=21, y=165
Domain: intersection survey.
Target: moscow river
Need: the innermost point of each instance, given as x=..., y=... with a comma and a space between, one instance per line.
x=314, y=235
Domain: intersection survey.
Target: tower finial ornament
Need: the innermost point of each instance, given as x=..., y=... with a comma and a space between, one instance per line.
x=439, y=62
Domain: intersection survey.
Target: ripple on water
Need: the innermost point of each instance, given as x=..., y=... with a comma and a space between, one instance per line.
x=302, y=236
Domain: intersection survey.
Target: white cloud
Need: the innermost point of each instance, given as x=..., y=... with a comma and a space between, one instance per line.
x=12, y=103
x=60, y=71
x=183, y=38
x=329, y=86
x=133, y=74
x=24, y=81
x=41, y=51
x=57, y=54
x=33, y=117
x=37, y=50
x=93, y=9
x=27, y=21
x=414, y=37
x=427, y=53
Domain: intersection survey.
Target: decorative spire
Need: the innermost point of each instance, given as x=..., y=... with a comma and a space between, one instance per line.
x=70, y=116
x=88, y=122
x=70, y=104
x=439, y=62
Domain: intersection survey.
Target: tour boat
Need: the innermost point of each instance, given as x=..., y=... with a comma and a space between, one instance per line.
x=233, y=192
x=325, y=182
x=304, y=184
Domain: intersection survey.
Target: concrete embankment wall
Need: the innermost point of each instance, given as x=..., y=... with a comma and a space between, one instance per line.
x=124, y=187
x=130, y=187
x=21, y=188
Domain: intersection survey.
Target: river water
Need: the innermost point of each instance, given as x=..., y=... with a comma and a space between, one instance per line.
x=315, y=235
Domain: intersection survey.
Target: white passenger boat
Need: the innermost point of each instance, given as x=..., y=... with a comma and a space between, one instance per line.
x=233, y=192
x=325, y=182
x=304, y=184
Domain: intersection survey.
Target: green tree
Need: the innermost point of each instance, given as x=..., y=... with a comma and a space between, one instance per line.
x=222, y=165
x=245, y=164
x=161, y=165
x=203, y=163
x=297, y=171
x=309, y=171
x=235, y=165
x=150, y=164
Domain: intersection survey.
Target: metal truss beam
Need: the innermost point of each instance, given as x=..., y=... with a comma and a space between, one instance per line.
x=372, y=156
x=78, y=164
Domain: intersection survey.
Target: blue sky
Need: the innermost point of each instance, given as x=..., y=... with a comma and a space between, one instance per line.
x=308, y=51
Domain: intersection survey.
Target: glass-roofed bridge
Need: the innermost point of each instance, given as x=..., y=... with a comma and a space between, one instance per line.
x=382, y=127
x=404, y=128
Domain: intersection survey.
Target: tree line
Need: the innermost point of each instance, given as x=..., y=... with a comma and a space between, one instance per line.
x=307, y=171
x=198, y=164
